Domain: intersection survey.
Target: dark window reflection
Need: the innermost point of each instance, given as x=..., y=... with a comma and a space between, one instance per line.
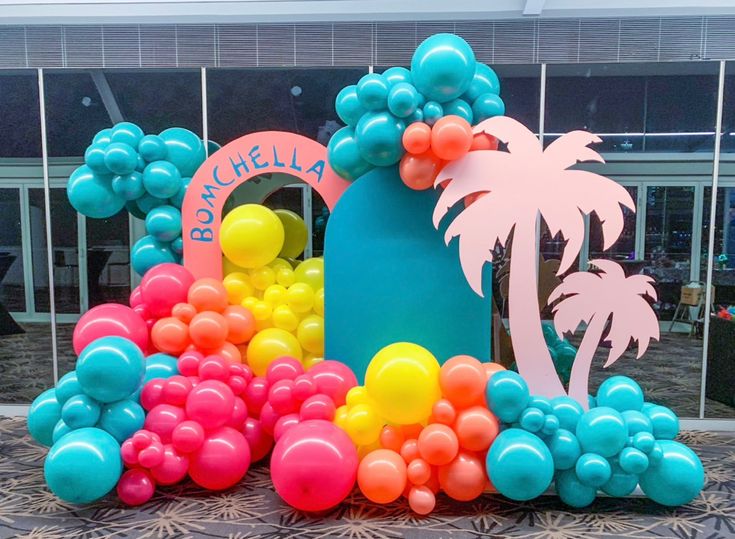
x=108, y=260
x=12, y=287
x=19, y=116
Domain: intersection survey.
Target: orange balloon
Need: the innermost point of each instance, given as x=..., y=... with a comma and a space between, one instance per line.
x=476, y=428
x=483, y=141
x=433, y=482
x=418, y=472
x=417, y=138
x=381, y=476
x=243, y=349
x=208, y=295
x=410, y=450
x=170, y=335
x=438, y=444
x=412, y=431
x=421, y=500
x=240, y=324
x=464, y=478
x=451, y=137
x=184, y=312
x=391, y=438
x=462, y=381
x=208, y=330
x=419, y=171
x=492, y=368
x=230, y=352
x=443, y=412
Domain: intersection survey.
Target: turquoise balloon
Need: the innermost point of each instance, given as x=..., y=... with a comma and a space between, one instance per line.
x=664, y=422
x=161, y=179
x=621, y=393
x=572, y=491
x=80, y=411
x=432, y=111
x=91, y=194
x=148, y=252
x=120, y=158
x=103, y=136
x=591, y=402
x=178, y=199
x=67, y=387
x=403, y=100
x=620, y=483
x=442, y=67
x=396, y=75
x=122, y=419
x=163, y=223
x=647, y=406
x=184, y=149
x=344, y=155
x=152, y=148
x=636, y=422
x=44, y=413
x=633, y=461
x=551, y=425
x=677, y=479
x=130, y=186
x=486, y=106
x=372, y=92
x=94, y=158
x=592, y=470
x=565, y=449
x=110, y=369
x=507, y=395
x=212, y=147
x=459, y=107
x=532, y=419
x=147, y=202
x=379, y=138
x=83, y=466
x=126, y=133
x=348, y=106
x=644, y=441
x=485, y=81
x=134, y=209
x=542, y=403
x=417, y=116
x=519, y=464
x=60, y=429
x=141, y=164
x=550, y=336
x=602, y=430
x=160, y=366
x=177, y=246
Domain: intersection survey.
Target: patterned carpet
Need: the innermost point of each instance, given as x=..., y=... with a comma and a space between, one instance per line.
x=252, y=509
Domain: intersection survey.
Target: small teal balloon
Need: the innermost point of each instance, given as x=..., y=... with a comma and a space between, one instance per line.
x=636, y=422
x=184, y=149
x=396, y=75
x=487, y=106
x=344, y=155
x=148, y=252
x=572, y=491
x=542, y=403
x=633, y=461
x=677, y=479
x=122, y=419
x=592, y=470
x=432, y=111
x=620, y=484
x=442, y=67
x=591, y=402
x=110, y=369
x=127, y=133
x=60, y=430
x=160, y=366
x=177, y=246
x=147, y=202
x=161, y=179
x=91, y=194
x=348, y=106
x=80, y=411
x=379, y=138
x=551, y=425
x=602, y=430
x=83, y=466
x=141, y=164
x=67, y=387
x=644, y=441
x=94, y=158
x=417, y=116
x=120, y=158
x=459, y=107
x=550, y=336
x=134, y=210
x=485, y=81
x=152, y=148
x=507, y=395
x=565, y=449
x=163, y=223
x=647, y=406
x=44, y=413
x=403, y=100
x=655, y=454
x=372, y=92
x=532, y=419
x=130, y=186
x=621, y=393
x=568, y=411
x=178, y=199
x=519, y=464
x=212, y=147
x=103, y=136
x=664, y=422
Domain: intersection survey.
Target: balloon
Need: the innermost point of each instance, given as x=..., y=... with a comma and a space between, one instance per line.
x=333, y=379
x=262, y=277
x=172, y=468
x=507, y=395
x=381, y=476
x=410, y=449
x=432, y=111
x=91, y=194
x=348, y=106
x=160, y=366
x=620, y=483
x=314, y=466
x=636, y=422
x=300, y=297
x=83, y=466
x=438, y=444
x=176, y=389
x=644, y=441
x=476, y=428
x=151, y=395
x=443, y=67
x=162, y=179
x=284, y=368
x=464, y=478
x=163, y=287
x=284, y=424
x=491, y=368
x=519, y=464
x=122, y=419
x=270, y=344
x=94, y=158
x=310, y=334
x=565, y=449
x=592, y=470
x=184, y=149
x=677, y=479
x=120, y=158
x=418, y=471
x=568, y=411
x=664, y=422
x=484, y=81
x=43, y=415
x=208, y=330
x=60, y=430
x=295, y=232
x=417, y=138
x=451, y=138
x=344, y=155
x=402, y=379
x=633, y=461
x=486, y=106
x=129, y=186
x=107, y=320
x=177, y=200
x=443, y=412
x=135, y=487
x=221, y=461
x=378, y=136
x=210, y=404
x=572, y=491
x=148, y=253
x=163, y=419
x=164, y=223
x=462, y=381
x=418, y=172
x=110, y=368
x=395, y=75
x=363, y=424
x=238, y=287
x=240, y=324
x=208, y=294
x=251, y=235
x=311, y=272
x=170, y=335
x=372, y=92
x=259, y=441
x=602, y=430
x=421, y=500
x=317, y=407
x=126, y=133
x=152, y=148
x=103, y=136
x=459, y=108
x=483, y=141
x=620, y=393
x=403, y=99
x=532, y=419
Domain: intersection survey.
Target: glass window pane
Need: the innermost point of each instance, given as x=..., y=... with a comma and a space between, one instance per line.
x=622, y=250
x=12, y=281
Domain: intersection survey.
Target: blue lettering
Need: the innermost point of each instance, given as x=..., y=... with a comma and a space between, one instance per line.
x=209, y=194
x=276, y=162
x=294, y=166
x=237, y=166
x=201, y=234
x=254, y=155
x=318, y=169
x=215, y=175
x=208, y=216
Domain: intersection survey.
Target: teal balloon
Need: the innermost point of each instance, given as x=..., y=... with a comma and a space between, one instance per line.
x=621, y=393
x=432, y=111
x=677, y=479
x=80, y=411
x=531, y=419
x=442, y=67
x=83, y=466
x=647, y=406
x=160, y=366
x=550, y=336
x=417, y=116
x=572, y=491
x=592, y=470
x=633, y=461
x=591, y=402
x=130, y=186
x=148, y=252
x=60, y=429
x=177, y=246
x=507, y=395
x=126, y=133
x=542, y=403
x=620, y=483
x=122, y=419
x=94, y=158
x=147, y=202
x=44, y=413
x=103, y=136
x=636, y=422
x=344, y=155
x=655, y=454
x=67, y=387
x=91, y=194
x=184, y=149
x=664, y=422
x=141, y=164
x=110, y=369
x=178, y=199
x=379, y=138
x=372, y=92
x=396, y=75
x=348, y=106
x=163, y=223
x=161, y=179
x=644, y=441
x=602, y=430
x=486, y=106
x=212, y=147
x=152, y=148
x=485, y=81
x=519, y=464
x=120, y=158
x=459, y=107
x=551, y=425
x=565, y=449
x=134, y=209
x=403, y=100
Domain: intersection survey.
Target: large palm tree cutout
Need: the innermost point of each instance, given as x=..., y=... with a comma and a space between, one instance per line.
x=521, y=185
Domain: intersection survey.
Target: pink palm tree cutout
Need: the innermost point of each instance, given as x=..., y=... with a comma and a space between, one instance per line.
x=520, y=186
x=595, y=299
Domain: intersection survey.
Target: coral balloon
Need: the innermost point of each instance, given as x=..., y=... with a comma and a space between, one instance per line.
x=240, y=324
x=419, y=171
x=106, y=320
x=421, y=500
x=464, y=478
x=491, y=368
x=208, y=330
x=417, y=138
x=451, y=137
x=462, y=381
x=184, y=312
x=208, y=295
x=438, y=444
x=221, y=461
x=163, y=286
x=170, y=335
x=476, y=428
x=483, y=141
x=382, y=476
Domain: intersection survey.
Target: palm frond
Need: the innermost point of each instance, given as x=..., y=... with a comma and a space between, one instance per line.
x=518, y=137
x=571, y=148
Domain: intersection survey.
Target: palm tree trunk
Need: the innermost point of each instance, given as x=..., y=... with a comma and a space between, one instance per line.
x=532, y=355
x=579, y=379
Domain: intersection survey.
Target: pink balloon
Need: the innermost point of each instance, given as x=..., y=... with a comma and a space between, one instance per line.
x=317, y=407
x=314, y=466
x=239, y=414
x=256, y=394
x=334, y=379
x=210, y=403
x=172, y=469
x=214, y=368
x=135, y=487
x=283, y=424
x=136, y=298
x=163, y=286
x=260, y=442
x=129, y=453
x=188, y=363
x=281, y=398
x=110, y=319
x=304, y=387
x=188, y=436
x=268, y=418
x=162, y=420
x=152, y=393
x=175, y=390
x=151, y=456
x=222, y=461
x=284, y=368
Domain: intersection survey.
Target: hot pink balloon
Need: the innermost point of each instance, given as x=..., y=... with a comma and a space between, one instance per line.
x=334, y=379
x=239, y=414
x=173, y=468
x=317, y=407
x=152, y=393
x=135, y=487
x=281, y=397
x=268, y=418
x=163, y=286
x=260, y=442
x=256, y=394
x=110, y=319
x=210, y=404
x=162, y=420
x=136, y=298
x=188, y=436
x=284, y=368
x=222, y=461
x=283, y=424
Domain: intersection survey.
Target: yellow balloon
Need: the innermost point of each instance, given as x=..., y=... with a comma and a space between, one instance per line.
x=311, y=272
x=260, y=325
x=228, y=267
x=310, y=360
x=279, y=263
x=238, y=287
x=296, y=234
x=319, y=302
x=363, y=424
x=275, y=294
x=403, y=380
x=310, y=334
x=268, y=345
x=262, y=277
x=300, y=297
x=262, y=310
x=340, y=417
x=284, y=318
x=285, y=276
x=357, y=395
x=249, y=303
x=251, y=236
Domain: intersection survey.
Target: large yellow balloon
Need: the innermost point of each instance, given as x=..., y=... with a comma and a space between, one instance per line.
x=311, y=272
x=403, y=380
x=251, y=236
x=296, y=233
x=310, y=334
x=270, y=344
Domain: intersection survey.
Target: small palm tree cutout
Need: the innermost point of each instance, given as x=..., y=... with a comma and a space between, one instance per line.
x=522, y=185
x=599, y=298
